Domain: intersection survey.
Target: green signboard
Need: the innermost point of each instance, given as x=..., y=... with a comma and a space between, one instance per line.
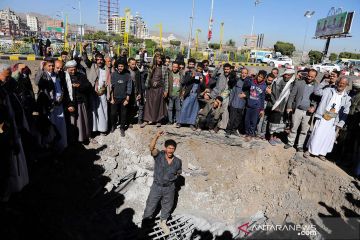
x=55, y=29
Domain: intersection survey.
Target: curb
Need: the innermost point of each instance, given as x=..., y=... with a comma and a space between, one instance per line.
x=16, y=57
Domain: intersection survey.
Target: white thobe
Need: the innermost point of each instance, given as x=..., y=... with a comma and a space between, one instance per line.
x=323, y=136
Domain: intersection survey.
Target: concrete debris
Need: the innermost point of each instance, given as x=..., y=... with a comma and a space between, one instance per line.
x=227, y=180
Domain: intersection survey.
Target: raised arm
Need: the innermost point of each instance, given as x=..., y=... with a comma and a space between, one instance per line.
x=154, y=151
x=84, y=56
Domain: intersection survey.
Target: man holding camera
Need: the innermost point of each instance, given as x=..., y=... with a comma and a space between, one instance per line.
x=302, y=103
x=193, y=85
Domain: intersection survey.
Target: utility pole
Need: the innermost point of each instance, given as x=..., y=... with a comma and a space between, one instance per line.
x=221, y=35
x=308, y=15
x=257, y=2
x=191, y=26
x=210, y=23
x=81, y=30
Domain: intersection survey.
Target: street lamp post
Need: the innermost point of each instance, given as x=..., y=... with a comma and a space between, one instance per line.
x=191, y=26
x=81, y=29
x=308, y=15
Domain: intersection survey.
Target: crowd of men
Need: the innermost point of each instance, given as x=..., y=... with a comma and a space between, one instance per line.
x=79, y=98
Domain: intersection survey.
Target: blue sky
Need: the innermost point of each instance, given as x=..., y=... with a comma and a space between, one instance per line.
x=278, y=19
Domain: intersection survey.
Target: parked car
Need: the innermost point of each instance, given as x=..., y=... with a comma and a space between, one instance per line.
x=283, y=61
x=326, y=67
x=353, y=71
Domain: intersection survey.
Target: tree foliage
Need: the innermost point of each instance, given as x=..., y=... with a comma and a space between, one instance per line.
x=284, y=47
x=333, y=57
x=214, y=46
x=175, y=43
x=231, y=43
x=315, y=56
x=349, y=55
x=150, y=43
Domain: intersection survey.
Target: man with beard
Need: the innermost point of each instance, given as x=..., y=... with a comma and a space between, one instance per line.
x=97, y=74
x=137, y=79
x=206, y=73
x=210, y=115
x=280, y=93
x=79, y=89
x=262, y=128
x=222, y=89
x=13, y=167
x=303, y=103
x=193, y=85
x=175, y=79
x=24, y=90
x=157, y=82
x=121, y=89
x=330, y=117
x=51, y=99
x=237, y=103
x=329, y=81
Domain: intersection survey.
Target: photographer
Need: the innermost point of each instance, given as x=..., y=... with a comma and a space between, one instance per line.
x=303, y=104
x=194, y=84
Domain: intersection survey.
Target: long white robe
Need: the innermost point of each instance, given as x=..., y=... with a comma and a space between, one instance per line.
x=323, y=137
x=100, y=110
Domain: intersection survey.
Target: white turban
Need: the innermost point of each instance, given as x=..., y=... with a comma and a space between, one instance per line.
x=289, y=71
x=71, y=63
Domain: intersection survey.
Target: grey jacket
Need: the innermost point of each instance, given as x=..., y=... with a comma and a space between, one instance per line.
x=327, y=94
x=221, y=88
x=216, y=112
x=298, y=91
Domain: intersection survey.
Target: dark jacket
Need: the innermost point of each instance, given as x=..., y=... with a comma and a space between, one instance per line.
x=121, y=85
x=82, y=93
x=187, y=84
x=46, y=90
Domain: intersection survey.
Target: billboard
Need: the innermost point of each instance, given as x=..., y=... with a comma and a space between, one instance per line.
x=334, y=25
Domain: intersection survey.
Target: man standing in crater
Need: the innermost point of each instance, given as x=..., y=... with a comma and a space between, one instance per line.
x=167, y=168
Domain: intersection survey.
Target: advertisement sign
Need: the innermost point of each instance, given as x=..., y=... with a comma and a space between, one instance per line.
x=331, y=25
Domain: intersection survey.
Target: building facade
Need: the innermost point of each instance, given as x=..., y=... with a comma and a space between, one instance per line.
x=33, y=23
x=138, y=27
x=11, y=24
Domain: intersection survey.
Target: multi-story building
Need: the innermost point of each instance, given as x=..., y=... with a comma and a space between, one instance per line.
x=32, y=22
x=138, y=27
x=11, y=24
x=116, y=25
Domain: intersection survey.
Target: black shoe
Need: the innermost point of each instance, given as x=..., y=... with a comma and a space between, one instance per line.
x=235, y=133
x=112, y=129
x=287, y=146
x=122, y=132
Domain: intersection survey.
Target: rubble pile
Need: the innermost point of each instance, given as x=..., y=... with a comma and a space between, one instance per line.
x=227, y=180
